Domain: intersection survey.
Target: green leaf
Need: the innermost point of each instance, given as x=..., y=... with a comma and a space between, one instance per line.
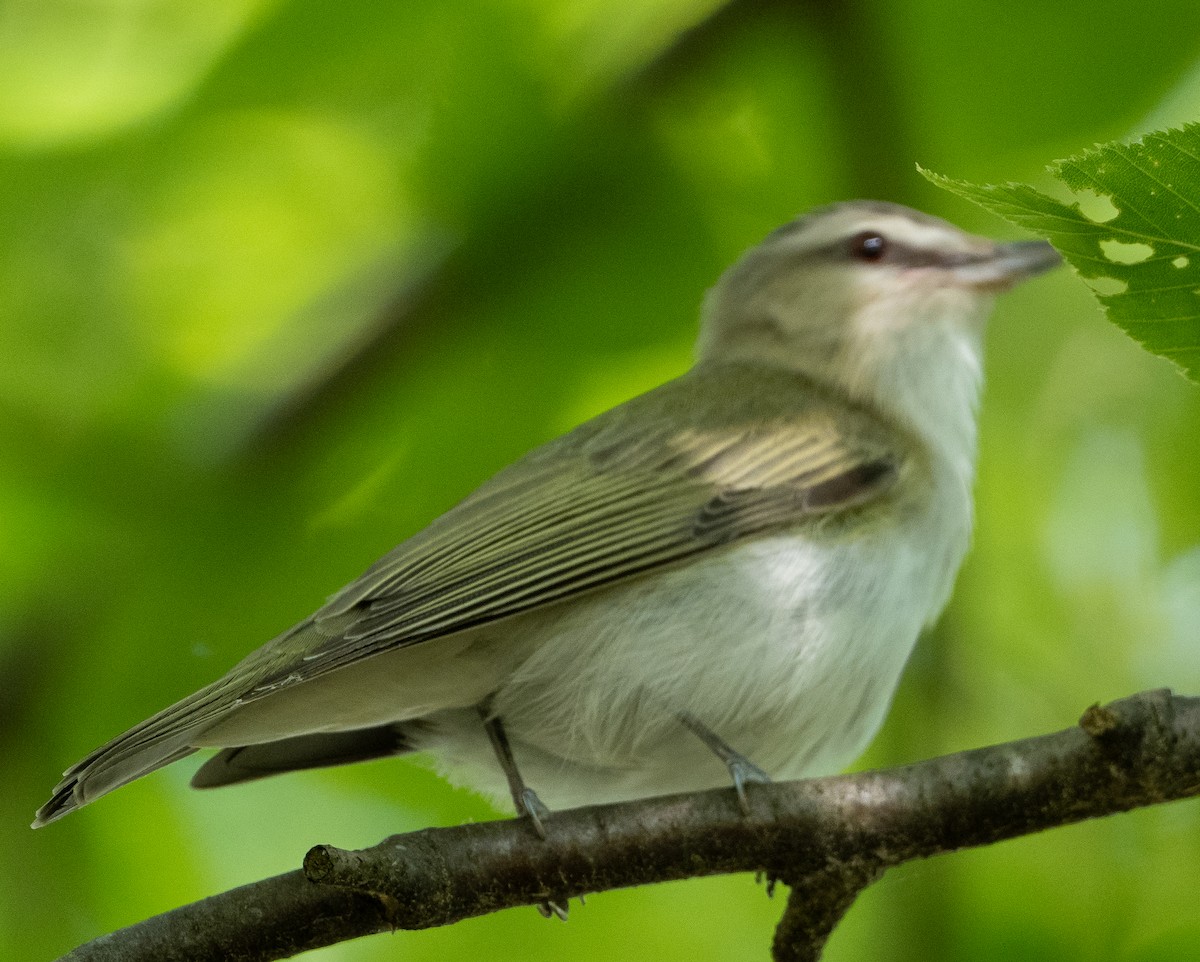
x=1146, y=237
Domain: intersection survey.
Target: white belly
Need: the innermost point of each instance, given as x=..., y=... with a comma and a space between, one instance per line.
x=788, y=649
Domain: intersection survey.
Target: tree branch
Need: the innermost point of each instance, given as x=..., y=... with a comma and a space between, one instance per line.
x=828, y=838
x=816, y=905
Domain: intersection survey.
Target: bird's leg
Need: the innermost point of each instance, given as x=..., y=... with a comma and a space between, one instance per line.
x=741, y=769
x=524, y=798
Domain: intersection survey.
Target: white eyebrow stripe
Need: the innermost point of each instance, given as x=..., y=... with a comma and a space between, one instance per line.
x=912, y=242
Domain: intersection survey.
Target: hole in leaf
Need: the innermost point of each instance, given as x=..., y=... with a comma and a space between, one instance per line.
x=1121, y=253
x=1097, y=208
x=1106, y=286
x=1181, y=262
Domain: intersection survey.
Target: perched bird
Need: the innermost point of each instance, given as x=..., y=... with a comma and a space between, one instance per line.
x=722, y=576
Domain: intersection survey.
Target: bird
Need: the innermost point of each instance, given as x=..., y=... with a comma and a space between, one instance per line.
x=720, y=579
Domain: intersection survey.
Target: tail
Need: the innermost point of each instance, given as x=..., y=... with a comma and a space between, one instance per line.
x=153, y=744
x=158, y=741
x=96, y=776
x=319, y=750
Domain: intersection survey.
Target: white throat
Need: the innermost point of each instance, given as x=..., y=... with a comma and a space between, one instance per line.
x=927, y=375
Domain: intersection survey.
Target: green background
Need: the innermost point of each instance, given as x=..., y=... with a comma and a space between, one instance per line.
x=280, y=281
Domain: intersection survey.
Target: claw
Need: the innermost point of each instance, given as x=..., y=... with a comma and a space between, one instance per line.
x=741, y=769
x=552, y=910
x=532, y=807
x=743, y=772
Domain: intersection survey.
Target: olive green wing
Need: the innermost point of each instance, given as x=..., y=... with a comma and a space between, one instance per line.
x=638, y=489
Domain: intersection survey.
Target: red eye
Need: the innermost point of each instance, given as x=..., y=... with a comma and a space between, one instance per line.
x=868, y=246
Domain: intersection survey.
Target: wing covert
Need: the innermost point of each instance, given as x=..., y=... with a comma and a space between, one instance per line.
x=596, y=506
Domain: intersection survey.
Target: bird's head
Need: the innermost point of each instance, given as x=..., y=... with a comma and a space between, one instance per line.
x=870, y=298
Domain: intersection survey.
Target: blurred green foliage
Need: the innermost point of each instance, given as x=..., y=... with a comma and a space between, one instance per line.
x=283, y=280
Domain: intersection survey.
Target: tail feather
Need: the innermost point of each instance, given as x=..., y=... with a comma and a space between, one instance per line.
x=93, y=777
x=174, y=732
x=319, y=750
x=147, y=746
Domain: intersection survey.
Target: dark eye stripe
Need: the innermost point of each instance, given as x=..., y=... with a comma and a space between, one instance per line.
x=896, y=253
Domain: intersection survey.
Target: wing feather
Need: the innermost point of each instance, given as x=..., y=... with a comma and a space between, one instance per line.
x=596, y=506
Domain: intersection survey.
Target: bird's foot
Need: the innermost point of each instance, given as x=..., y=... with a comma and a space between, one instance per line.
x=741, y=769
x=531, y=807
x=743, y=772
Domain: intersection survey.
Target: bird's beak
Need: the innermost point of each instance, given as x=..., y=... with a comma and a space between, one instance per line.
x=1006, y=265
